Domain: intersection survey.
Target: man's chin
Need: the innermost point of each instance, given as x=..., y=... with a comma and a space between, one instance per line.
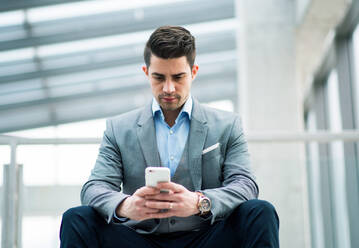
x=169, y=106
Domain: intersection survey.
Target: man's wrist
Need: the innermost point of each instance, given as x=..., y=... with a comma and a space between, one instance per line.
x=196, y=204
x=121, y=208
x=204, y=204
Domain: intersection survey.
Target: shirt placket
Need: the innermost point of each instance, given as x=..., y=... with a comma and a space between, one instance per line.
x=171, y=149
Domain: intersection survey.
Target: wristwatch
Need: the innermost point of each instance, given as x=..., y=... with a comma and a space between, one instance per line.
x=204, y=204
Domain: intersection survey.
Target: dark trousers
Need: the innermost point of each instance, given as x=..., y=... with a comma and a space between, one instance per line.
x=254, y=223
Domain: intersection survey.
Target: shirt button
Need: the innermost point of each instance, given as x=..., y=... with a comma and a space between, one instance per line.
x=171, y=132
x=172, y=158
x=173, y=222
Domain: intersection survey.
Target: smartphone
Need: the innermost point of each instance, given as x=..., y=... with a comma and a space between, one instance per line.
x=154, y=175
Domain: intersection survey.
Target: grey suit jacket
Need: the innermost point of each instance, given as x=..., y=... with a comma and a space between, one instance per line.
x=221, y=172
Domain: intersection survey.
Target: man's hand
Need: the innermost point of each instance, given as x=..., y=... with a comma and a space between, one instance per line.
x=147, y=203
x=179, y=201
x=134, y=207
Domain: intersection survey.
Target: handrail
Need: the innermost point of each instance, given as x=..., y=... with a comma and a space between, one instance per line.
x=255, y=137
x=12, y=207
x=318, y=136
x=49, y=141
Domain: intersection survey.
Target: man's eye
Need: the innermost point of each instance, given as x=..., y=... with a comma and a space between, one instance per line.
x=159, y=78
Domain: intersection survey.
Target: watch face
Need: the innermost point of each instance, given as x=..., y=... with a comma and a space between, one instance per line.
x=205, y=205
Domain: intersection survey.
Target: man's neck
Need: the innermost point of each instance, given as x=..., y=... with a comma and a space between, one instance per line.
x=171, y=116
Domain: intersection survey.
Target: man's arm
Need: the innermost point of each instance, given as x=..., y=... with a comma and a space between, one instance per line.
x=238, y=182
x=102, y=190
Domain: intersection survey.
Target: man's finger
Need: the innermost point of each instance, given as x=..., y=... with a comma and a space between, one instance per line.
x=143, y=191
x=160, y=204
x=151, y=211
x=171, y=186
x=162, y=197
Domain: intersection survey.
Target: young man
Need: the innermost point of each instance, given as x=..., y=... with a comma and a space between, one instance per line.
x=212, y=194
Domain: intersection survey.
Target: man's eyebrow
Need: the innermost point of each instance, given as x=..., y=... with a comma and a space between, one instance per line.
x=179, y=74
x=157, y=74
x=161, y=75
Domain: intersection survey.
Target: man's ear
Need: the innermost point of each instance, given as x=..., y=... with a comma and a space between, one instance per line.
x=194, y=71
x=145, y=70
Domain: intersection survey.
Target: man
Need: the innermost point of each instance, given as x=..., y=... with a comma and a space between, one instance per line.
x=212, y=194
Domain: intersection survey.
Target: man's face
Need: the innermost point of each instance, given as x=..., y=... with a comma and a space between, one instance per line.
x=170, y=80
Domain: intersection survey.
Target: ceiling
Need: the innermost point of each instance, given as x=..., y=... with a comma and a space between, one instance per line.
x=82, y=60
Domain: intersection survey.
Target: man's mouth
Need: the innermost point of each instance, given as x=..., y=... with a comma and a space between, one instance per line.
x=169, y=99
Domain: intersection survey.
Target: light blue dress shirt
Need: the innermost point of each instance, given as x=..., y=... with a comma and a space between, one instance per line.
x=172, y=140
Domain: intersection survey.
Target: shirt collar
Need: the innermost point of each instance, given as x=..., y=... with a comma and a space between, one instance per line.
x=187, y=107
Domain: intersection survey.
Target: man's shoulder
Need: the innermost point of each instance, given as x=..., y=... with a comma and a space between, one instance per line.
x=127, y=117
x=217, y=115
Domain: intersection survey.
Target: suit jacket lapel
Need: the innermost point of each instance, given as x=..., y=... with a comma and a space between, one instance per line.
x=196, y=139
x=146, y=134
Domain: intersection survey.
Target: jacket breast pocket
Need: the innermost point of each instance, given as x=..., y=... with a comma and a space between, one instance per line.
x=212, y=152
x=215, y=154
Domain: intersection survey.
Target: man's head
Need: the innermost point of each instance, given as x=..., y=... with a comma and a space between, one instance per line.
x=169, y=56
x=170, y=42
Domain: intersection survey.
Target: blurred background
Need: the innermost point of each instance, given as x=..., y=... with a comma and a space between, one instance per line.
x=290, y=68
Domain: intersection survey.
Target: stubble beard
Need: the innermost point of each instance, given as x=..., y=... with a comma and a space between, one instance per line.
x=170, y=106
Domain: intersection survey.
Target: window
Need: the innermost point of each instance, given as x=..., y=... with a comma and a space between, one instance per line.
x=314, y=187
x=337, y=163
x=356, y=71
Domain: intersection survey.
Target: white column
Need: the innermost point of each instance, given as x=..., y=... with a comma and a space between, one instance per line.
x=12, y=202
x=269, y=100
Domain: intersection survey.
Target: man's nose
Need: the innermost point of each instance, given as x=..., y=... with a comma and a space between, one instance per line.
x=168, y=87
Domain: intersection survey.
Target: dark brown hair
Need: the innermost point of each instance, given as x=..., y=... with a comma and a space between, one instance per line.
x=170, y=42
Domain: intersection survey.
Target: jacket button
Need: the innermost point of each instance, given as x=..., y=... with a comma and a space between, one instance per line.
x=173, y=222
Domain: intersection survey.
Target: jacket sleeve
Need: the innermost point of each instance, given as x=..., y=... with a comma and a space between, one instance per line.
x=103, y=189
x=238, y=182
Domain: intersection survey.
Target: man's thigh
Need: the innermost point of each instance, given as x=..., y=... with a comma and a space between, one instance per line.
x=119, y=235
x=84, y=227
x=213, y=236
x=254, y=223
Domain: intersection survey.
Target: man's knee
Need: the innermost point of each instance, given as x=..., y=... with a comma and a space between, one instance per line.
x=77, y=214
x=79, y=227
x=258, y=209
x=259, y=205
